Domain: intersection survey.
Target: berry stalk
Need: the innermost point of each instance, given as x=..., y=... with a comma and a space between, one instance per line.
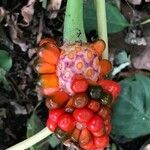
x=73, y=24
x=32, y=140
x=102, y=24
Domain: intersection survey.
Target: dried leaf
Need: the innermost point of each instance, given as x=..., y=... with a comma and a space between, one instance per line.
x=31, y=52
x=53, y=7
x=142, y=61
x=19, y=109
x=2, y=13
x=4, y=40
x=27, y=12
x=16, y=33
x=135, y=2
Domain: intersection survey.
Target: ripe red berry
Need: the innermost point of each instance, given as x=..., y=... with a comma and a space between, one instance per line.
x=104, y=112
x=66, y=122
x=94, y=105
x=107, y=120
x=83, y=114
x=79, y=85
x=51, y=125
x=54, y=114
x=88, y=146
x=95, y=124
x=111, y=86
x=101, y=142
x=99, y=133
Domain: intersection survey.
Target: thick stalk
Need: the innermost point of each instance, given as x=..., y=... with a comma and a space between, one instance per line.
x=73, y=24
x=102, y=24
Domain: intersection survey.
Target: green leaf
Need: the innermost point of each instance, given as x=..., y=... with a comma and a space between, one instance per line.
x=53, y=141
x=5, y=60
x=4, y=80
x=35, y=125
x=116, y=22
x=131, y=113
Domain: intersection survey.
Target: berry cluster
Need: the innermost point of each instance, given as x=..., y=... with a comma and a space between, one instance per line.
x=78, y=95
x=85, y=117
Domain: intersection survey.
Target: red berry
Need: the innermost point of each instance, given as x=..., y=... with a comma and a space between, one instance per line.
x=54, y=114
x=107, y=120
x=51, y=125
x=89, y=145
x=95, y=124
x=79, y=84
x=94, y=105
x=82, y=114
x=99, y=133
x=66, y=122
x=101, y=142
x=104, y=112
x=111, y=86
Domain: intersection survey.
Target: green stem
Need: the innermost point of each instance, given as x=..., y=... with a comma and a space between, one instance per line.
x=146, y=22
x=32, y=140
x=73, y=24
x=102, y=24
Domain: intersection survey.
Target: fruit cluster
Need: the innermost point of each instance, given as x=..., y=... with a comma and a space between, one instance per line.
x=78, y=96
x=85, y=117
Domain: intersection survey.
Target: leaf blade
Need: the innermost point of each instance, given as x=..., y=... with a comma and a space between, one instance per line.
x=116, y=22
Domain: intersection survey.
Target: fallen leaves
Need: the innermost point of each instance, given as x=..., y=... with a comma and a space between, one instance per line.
x=142, y=61
x=27, y=12
x=53, y=7
x=2, y=13
x=16, y=34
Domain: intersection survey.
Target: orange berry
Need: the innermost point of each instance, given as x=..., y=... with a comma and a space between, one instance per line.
x=99, y=46
x=60, y=97
x=49, y=81
x=70, y=105
x=105, y=66
x=45, y=68
x=49, y=53
x=85, y=137
x=75, y=135
x=47, y=40
x=49, y=91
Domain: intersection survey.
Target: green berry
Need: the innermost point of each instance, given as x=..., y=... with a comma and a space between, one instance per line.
x=95, y=91
x=106, y=98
